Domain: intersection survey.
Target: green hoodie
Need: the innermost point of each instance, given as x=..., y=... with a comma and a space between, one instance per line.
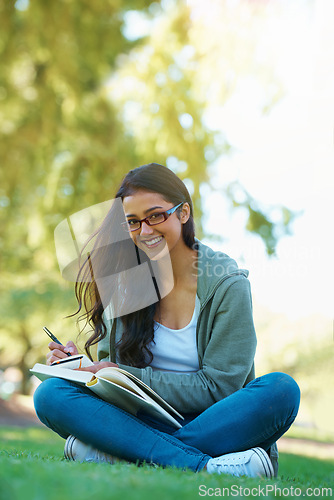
x=226, y=339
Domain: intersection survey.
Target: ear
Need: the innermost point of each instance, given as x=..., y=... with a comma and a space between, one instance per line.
x=185, y=213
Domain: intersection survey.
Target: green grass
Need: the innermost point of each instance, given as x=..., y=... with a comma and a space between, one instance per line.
x=32, y=468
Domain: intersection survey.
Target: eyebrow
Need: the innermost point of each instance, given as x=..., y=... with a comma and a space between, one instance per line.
x=146, y=211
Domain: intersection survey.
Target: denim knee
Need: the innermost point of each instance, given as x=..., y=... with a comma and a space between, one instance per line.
x=46, y=396
x=286, y=389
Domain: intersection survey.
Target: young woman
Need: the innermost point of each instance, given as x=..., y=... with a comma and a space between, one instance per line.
x=194, y=345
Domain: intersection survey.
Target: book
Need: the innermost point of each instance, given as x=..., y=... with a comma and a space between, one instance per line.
x=114, y=385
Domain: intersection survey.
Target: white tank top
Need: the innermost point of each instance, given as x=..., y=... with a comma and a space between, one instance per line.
x=176, y=350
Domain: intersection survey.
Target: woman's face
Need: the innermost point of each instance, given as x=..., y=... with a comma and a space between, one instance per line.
x=156, y=241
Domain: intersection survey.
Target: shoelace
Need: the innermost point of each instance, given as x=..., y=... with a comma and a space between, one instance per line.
x=235, y=468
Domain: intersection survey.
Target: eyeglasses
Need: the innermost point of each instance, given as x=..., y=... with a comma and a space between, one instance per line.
x=151, y=220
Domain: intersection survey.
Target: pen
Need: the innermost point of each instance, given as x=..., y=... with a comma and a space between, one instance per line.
x=53, y=337
x=62, y=361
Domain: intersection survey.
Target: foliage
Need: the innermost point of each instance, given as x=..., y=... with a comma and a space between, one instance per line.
x=63, y=149
x=63, y=143
x=260, y=221
x=159, y=105
x=167, y=86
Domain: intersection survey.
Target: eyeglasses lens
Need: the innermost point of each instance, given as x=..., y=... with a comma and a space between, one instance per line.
x=156, y=219
x=153, y=219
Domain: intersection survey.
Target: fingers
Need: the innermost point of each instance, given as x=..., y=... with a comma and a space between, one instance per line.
x=58, y=351
x=53, y=345
x=92, y=369
x=98, y=365
x=55, y=355
x=71, y=348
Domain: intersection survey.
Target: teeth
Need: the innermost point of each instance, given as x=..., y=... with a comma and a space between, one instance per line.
x=153, y=242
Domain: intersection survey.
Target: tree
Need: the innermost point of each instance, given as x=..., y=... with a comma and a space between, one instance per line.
x=81, y=104
x=61, y=133
x=194, y=59
x=63, y=145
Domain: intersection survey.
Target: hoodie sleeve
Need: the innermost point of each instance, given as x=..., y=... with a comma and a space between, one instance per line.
x=228, y=356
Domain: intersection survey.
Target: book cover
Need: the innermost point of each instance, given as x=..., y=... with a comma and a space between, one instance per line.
x=116, y=386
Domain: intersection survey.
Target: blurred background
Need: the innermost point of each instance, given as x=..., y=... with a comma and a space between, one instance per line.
x=236, y=97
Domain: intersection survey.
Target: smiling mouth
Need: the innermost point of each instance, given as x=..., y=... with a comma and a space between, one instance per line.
x=153, y=242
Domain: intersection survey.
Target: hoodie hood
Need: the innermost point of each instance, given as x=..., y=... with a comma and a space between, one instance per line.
x=212, y=269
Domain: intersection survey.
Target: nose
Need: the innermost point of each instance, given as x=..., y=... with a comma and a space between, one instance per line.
x=145, y=229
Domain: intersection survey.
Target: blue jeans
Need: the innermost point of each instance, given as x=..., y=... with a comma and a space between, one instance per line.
x=256, y=415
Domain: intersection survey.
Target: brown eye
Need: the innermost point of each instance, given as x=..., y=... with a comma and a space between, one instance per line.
x=156, y=217
x=133, y=224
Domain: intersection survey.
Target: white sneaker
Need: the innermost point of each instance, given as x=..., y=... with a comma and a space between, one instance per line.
x=252, y=463
x=80, y=452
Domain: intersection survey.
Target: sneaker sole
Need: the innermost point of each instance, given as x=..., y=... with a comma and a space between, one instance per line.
x=68, y=448
x=265, y=460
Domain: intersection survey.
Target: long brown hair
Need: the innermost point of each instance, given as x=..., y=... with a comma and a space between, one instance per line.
x=138, y=326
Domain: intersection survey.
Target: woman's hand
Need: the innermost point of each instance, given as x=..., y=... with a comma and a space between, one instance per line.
x=58, y=351
x=98, y=365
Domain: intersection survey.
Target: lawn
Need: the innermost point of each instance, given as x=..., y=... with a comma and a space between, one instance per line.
x=32, y=468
